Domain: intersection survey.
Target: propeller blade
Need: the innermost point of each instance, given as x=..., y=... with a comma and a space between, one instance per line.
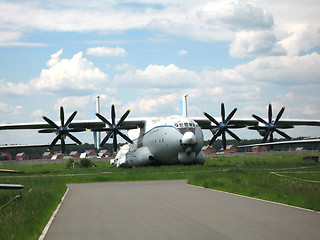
x=51, y=123
x=74, y=138
x=55, y=140
x=259, y=119
x=211, y=118
x=113, y=115
x=62, y=116
x=266, y=136
x=283, y=134
x=71, y=118
x=128, y=127
x=223, y=114
x=124, y=116
x=115, y=144
x=103, y=119
x=231, y=115
x=270, y=113
x=224, y=141
x=63, y=144
x=215, y=136
x=279, y=115
x=47, y=130
x=105, y=139
x=125, y=137
x=233, y=135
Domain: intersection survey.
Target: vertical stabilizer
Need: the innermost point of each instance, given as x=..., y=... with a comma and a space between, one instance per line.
x=97, y=135
x=183, y=110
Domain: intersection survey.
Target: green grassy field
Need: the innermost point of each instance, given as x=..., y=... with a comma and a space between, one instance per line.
x=281, y=178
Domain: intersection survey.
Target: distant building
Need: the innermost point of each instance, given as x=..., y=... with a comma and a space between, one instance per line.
x=229, y=149
x=57, y=155
x=5, y=156
x=74, y=154
x=104, y=154
x=208, y=150
x=21, y=156
x=88, y=154
x=34, y=156
x=47, y=155
x=260, y=149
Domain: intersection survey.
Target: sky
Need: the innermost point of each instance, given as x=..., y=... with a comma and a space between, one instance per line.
x=144, y=55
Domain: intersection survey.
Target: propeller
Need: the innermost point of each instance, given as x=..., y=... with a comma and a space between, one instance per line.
x=223, y=126
x=62, y=131
x=271, y=126
x=113, y=129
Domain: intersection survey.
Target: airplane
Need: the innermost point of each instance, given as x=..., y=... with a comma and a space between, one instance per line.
x=161, y=140
x=10, y=186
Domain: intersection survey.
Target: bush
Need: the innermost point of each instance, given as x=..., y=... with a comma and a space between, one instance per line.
x=85, y=163
x=69, y=163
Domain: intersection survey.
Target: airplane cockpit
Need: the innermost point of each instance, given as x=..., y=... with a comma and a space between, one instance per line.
x=185, y=126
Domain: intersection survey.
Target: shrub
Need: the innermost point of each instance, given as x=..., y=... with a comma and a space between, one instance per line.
x=85, y=163
x=69, y=163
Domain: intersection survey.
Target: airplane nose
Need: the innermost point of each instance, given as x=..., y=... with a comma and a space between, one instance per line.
x=189, y=138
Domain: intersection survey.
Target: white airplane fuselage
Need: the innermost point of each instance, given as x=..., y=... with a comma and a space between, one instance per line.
x=167, y=140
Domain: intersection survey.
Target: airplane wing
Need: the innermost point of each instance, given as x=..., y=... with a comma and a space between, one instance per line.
x=11, y=186
x=9, y=171
x=316, y=140
x=31, y=145
x=205, y=123
x=87, y=124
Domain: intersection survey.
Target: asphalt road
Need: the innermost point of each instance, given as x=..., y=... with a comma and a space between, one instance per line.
x=174, y=210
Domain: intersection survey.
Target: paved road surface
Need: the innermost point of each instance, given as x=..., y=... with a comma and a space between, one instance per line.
x=174, y=210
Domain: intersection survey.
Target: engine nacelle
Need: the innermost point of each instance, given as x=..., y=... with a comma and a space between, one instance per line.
x=140, y=157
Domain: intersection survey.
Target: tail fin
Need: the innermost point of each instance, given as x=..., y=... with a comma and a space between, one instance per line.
x=183, y=110
x=97, y=135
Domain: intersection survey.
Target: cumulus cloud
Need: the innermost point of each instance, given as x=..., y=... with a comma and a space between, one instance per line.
x=283, y=70
x=302, y=37
x=76, y=73
x=10, y=110
x=124, y=67
x=158, y=76
x=255, y=43
x=236, y=15
x=106, y=52
x=10, y=88
x=151, y=105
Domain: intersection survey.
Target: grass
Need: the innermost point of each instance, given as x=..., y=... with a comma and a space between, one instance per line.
x=25, y=217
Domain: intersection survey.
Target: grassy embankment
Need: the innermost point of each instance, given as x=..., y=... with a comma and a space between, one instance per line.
x=25, y=217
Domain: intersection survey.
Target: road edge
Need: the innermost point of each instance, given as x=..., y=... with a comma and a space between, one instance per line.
x=46, y=228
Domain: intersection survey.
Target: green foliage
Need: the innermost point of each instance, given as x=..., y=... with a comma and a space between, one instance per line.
x=85, y=163
x=45, y=184
x=70, y=163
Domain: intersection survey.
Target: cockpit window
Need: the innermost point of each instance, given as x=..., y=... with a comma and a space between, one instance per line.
x=185, y=125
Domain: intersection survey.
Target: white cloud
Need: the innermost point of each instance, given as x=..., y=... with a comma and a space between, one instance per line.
x=283, y=70
x=106, y=52
x=157, y=76
x=182, y=52
x=301, y=37
x=9, y=110
x=151, y=105
x=10, y=88
x=76, y=73
x=236, y=15
x=255, y=43
x=124, y=67
x=38, y=113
